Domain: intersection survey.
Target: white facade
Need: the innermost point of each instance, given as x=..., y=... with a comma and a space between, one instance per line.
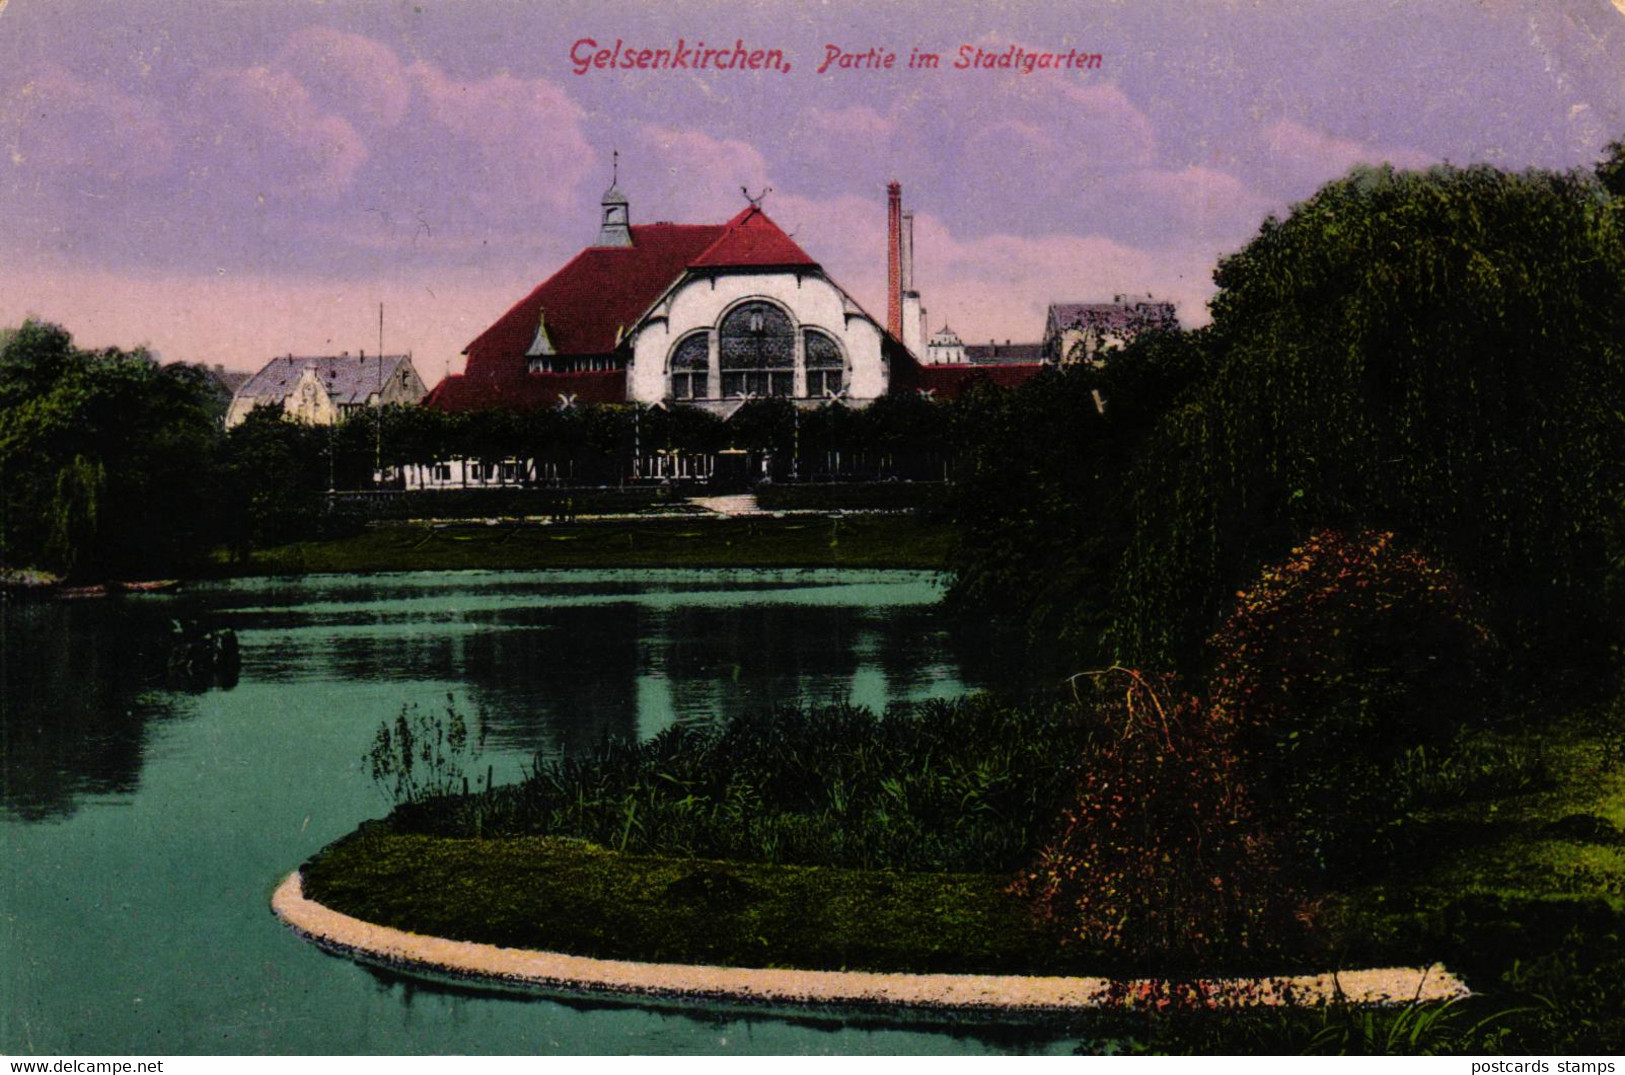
x=946, y=348
x=913, y=324
x=697, y=307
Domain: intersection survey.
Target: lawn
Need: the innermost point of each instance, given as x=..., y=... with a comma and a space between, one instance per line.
x=557, y=894
x=872, y=541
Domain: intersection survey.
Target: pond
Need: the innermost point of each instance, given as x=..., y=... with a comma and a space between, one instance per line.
x=145, y=822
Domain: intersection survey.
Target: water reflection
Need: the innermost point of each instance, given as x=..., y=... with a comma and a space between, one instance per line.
x=149, y=823
x=544, y=662
x=79, y=683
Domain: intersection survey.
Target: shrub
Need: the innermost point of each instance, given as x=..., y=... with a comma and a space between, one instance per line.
x=1336, y=665
x=1160, y=854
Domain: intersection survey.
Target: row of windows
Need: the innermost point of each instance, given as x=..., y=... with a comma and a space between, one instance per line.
x=480, y=472
x=756, y=350
x=561, y=364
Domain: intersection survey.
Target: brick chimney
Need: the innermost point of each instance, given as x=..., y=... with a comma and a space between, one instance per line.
x=894, y=259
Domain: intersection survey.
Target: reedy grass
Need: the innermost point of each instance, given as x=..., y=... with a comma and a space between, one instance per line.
x=972, y=784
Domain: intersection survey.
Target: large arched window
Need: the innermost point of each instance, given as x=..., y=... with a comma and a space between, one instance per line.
x=691, y=367
x=758, y=351
x=826, y=369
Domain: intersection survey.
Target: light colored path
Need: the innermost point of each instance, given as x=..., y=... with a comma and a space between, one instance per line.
x=940, y=992
x=735, y=504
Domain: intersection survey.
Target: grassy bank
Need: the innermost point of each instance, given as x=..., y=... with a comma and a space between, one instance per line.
x=1515, y=880
x=566, y=895
x=890, y=541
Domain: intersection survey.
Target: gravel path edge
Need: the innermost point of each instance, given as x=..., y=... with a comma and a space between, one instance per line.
x=944, y=993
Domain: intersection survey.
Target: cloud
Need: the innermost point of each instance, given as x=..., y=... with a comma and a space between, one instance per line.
x=524, y=137
x=1020, y=153
x=694, y=177
x=858, y=121
x=262, y=124
x=59, y=123
x=1190, y=205
x=243, y=320
x=350, y=74
x=1298, y=158
x=999, y=286
x=1096, y=119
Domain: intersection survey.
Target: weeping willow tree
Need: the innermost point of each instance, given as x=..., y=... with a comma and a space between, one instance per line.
x=1441, y=354
x=105, y=459
x=75, y=511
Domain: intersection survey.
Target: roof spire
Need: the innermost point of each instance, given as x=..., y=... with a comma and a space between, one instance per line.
x=615, y=227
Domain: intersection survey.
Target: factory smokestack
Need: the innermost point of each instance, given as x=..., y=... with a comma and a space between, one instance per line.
x=908, y=252
x=894, y=258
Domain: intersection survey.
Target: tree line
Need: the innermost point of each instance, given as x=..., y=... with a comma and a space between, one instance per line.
x=114, y=466
x=1439, y=354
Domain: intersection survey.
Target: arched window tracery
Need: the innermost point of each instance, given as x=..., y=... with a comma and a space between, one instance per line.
x=757, y=348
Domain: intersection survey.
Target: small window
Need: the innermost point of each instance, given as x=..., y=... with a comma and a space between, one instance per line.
x=826, y=369
x=691, y=368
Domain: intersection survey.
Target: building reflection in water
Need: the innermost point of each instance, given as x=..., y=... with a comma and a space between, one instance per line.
x=546, y=663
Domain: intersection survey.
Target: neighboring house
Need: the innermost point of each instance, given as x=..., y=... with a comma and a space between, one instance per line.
x=1073, y=332
x=325, y=390
x=1080, y=331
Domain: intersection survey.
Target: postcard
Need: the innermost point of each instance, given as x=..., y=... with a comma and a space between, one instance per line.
x=856, y=528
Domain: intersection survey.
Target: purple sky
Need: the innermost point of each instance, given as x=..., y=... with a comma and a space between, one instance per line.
x=228, y=181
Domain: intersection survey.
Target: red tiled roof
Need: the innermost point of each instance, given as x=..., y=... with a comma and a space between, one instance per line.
x=601, y=291
x=952, y=381
x=526, y=391
x=752, y=240
x=1003, y=353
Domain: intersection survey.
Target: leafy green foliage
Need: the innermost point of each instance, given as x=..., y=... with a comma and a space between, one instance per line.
x=1441, y=354
x=1040, y=496
x=1438, y=354
x=1611, y=169
x=105, y=458
x=1339, y=1028
x=563, y=895
x=274, y=472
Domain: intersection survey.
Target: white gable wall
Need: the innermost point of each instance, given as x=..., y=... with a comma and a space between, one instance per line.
x=701, y=302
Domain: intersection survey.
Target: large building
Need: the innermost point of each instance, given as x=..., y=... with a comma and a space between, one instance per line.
x=707, y=315
x=711, y=315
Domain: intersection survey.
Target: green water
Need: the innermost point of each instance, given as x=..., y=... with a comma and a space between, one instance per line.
x=144, y=821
